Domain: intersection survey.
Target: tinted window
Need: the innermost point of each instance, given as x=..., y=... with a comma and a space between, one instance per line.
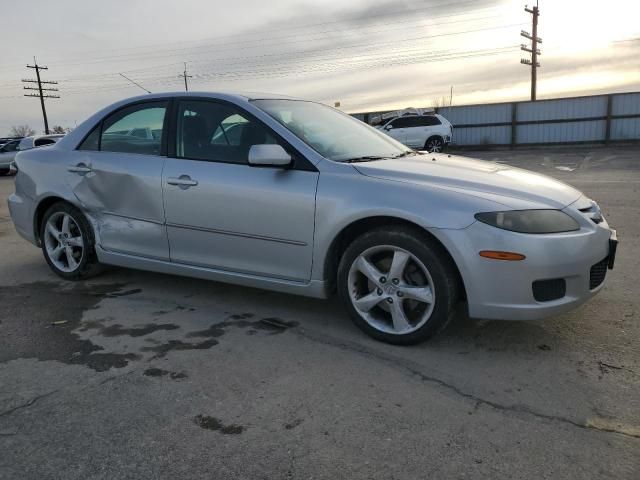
x=428, y=121
x=217, y=132
x=92, y=141
x=10, y=147
x=43, y=141
x=402, y=122
x=134, y=129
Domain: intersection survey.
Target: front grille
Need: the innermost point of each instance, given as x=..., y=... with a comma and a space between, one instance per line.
x=547, y=290
x=598, y=272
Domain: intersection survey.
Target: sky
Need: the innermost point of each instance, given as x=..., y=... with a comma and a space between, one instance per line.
x=366, y=54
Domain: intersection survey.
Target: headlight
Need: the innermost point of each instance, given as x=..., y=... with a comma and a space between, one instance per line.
x=530, y=221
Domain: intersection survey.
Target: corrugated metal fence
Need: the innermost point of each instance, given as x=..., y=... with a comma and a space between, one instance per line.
x=592, y=119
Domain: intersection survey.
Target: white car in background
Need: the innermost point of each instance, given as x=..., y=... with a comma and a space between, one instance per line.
x=422, y=132
x=27, y=143
x=7, y=153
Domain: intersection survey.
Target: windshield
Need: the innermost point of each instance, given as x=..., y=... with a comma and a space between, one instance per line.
x=331, y=133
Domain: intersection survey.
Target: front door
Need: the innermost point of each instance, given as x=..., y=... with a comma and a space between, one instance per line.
x=116, y=174
x=223, y=213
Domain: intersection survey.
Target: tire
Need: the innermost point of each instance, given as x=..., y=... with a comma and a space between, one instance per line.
x=79, y=242
x=4, y=172
x=434, y=144
x=427, y=268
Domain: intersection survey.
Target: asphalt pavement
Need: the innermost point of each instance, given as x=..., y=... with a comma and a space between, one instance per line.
x=136, y=375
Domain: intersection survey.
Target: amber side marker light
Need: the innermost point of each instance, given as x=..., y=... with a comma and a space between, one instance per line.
x=502, y=255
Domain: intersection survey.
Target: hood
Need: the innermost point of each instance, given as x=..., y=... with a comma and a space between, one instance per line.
x=497, y=182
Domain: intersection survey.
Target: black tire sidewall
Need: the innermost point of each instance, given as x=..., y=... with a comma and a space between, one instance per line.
x=88, y=258
x=430, y=254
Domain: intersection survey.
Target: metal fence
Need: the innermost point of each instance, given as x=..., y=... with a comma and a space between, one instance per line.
x=590, y=119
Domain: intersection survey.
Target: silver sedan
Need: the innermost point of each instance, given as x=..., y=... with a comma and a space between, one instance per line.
x=295, y=196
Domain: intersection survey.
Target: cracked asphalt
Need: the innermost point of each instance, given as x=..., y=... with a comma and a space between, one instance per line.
x=136, y=375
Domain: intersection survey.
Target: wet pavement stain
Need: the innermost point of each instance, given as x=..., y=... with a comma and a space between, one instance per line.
x=126, y=293
x=118, y=330
x=42, y=304
x=158, y=372
x=212, y=423
x=293, y=424
x=270, y=325
x=174, y=345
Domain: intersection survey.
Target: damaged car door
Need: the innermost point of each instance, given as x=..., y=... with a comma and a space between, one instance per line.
x=117, y=176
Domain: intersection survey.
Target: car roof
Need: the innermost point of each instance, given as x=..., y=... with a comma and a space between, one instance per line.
x=241, y=96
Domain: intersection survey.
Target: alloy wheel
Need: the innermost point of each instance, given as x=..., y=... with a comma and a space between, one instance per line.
x=63, y=242
x=391, y=289
x=434, y=145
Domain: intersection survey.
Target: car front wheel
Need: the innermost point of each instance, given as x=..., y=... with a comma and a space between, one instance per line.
x=434, y=145
x=68, y=243
x=397, y=285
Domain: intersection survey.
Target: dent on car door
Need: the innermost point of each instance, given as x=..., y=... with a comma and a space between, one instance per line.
x=222, y=213
x=117, y=177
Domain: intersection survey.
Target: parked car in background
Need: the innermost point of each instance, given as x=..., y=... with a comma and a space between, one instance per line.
x=422, y=132
x=294, y=196
x=28, y=143
x=7, y=154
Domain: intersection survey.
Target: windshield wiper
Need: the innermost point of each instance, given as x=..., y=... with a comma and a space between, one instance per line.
x=365, y=158
x=405, y=154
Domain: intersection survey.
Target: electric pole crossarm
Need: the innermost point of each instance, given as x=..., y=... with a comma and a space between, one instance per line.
x=40, y=90
x=533, y=49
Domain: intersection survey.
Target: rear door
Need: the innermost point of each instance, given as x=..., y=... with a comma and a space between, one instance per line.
x=117, y=177
x=223, y=213
x=423, y=127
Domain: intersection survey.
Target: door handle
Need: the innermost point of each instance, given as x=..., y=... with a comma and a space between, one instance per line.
x=183, y=181
x=80, y=168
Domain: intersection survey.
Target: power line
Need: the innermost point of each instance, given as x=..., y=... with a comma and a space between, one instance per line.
x=40, y=90
x=534, y=50
x=215, y=41
x=135, y=83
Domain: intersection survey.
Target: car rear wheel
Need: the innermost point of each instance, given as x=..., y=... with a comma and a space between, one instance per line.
x=68, y=243
x=434, y=144
x=397, y=285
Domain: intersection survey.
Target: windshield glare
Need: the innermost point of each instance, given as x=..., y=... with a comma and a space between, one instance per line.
x=331, y=133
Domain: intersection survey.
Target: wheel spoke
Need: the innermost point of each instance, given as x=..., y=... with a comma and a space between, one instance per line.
x=55, y=253
x=367, y=302
x=70, y=260
x=65, y=224
x=53, y=231
x=400, y=321
x=421, y=294
x=398, y=264
x=367, y=268
x=75, y=241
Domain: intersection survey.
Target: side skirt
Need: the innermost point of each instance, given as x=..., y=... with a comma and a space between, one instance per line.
x=314, y=288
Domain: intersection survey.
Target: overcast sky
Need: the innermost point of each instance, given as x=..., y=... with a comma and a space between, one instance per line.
x=367, y=54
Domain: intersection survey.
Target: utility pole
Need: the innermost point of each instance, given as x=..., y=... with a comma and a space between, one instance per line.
x=184, y=74
x=534, y=50
x=40, y=90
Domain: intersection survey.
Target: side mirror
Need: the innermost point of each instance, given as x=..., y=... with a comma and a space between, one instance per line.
x=269, y=155
x=388, y=127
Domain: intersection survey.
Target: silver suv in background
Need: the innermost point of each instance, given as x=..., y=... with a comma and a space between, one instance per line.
x=422, y=132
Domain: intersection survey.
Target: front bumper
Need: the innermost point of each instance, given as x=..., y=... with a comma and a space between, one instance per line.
x=504, y=290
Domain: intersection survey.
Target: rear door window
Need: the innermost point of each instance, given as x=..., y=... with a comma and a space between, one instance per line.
x=134, y=129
